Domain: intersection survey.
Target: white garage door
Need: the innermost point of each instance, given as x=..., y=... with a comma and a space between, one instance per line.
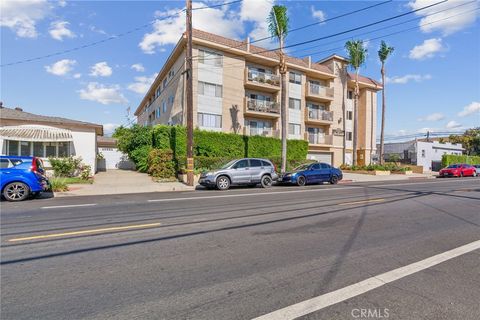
x=325, y=157
x=113, y=157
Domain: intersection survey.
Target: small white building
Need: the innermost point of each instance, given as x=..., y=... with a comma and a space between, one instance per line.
x=110, y=157
x=28, y=134
x=421, y=153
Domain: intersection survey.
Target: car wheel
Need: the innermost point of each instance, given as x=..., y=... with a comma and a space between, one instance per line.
x=16, y=191
x=334, y=179
x=266, y=181
x=223, y=183
x=301, y=181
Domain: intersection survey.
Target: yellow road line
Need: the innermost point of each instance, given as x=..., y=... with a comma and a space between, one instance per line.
x=359, y=202
x=73, y=233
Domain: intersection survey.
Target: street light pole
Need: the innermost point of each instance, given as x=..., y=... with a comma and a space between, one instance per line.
x=189, y=74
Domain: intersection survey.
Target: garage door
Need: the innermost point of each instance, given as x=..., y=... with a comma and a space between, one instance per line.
x=115, y=159
x=325, y=157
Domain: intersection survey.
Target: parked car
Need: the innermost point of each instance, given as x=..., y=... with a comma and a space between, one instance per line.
x=312, y=173
x=248, y=171
x=458, y=170
x=477, y=168
x=22, y=177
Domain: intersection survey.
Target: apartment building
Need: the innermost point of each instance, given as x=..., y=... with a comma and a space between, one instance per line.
x=236, y=88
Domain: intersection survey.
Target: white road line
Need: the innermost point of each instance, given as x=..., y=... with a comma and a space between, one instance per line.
x=331, y=298
x=71, y=206
x=414, y=183
x=250, y=194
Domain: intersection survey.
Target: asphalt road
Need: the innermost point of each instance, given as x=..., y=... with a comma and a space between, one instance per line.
x=246, y=253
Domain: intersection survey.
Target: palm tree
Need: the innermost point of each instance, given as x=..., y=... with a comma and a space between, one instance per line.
x=384, y=52
x=357, y=54
x=278, y=27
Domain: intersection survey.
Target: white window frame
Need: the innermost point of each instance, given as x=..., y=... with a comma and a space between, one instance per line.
x=292, y=105
x=297, y=77
x=209, y=120
x=216, y=87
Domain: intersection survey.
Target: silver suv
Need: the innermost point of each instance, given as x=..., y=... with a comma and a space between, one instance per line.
x=248, y=171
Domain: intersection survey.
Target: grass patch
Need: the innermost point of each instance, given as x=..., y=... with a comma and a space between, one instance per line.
x=77, y=180
x=58, y=184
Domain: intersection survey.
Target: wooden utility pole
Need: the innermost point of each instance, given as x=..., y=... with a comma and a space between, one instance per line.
x=189, y=94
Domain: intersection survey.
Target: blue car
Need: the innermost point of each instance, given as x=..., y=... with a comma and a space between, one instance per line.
x=22, y=177
x=312, y=173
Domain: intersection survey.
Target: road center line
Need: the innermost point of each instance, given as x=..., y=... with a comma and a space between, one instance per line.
x=71, y=206
x=331, y=298
x=73, y=233
x=251, y=194
x=362, y=201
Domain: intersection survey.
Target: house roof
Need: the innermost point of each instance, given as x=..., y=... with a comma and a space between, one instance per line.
x=365, y=80
x=19, y=114
x=106, y=141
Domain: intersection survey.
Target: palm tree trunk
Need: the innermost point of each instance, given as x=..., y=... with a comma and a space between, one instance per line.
x=355, y=119
x=382, y=130
x=283, y=107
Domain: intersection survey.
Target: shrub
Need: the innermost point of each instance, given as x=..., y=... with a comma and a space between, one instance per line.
x=139, y=156
x=218, y=144
x=131, y=139
x=448, y=159
x=65, y=167
x=85, y=172
x=160, y=163
x=161, y=137
x=58, y=184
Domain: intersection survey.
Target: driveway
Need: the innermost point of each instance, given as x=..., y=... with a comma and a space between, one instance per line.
x=120, y=182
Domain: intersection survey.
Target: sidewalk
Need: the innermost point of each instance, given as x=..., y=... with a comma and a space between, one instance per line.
x=357, y=177
x=121, y=182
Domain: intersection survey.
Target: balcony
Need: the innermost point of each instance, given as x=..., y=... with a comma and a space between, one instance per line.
x=249, y=131
x=261, y=81
x=319, y=139
x=319, y=93
x=316, y=116
x=261, y=108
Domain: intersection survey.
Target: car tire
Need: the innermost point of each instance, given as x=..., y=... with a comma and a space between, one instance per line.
x=334, y=179
x=266, y=181
x=301, y=181
x=16, y=191
x=223, y=183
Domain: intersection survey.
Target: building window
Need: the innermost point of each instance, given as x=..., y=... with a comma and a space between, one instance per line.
x=208, y=120
x=295, y=77
x=210, y=58
x=164, y=106
x=25, y=148
x=164, y=83
x=38, y=149
x=157, y=114
x=423, y=153
x=349, y=115
x=12, y=148
x=294, y=129
x=158, y=92
x=259, y=128
x=171, y=99
x=349, y=136
x=209, y=89
x=63, y=149
x=294, y=104
x=350, y=94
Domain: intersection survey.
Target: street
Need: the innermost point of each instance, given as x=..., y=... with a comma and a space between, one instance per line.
x=246, y=253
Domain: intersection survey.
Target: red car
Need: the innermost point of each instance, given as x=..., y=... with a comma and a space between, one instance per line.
x=458, y=170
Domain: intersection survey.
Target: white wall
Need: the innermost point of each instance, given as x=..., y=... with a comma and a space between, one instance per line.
x=85, y=146
x=434, y=152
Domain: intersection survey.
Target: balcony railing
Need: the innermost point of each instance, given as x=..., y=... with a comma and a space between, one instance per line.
x=263, y=78
x=249, y=131
x=320, y=91
x=262, y=106
x=315, y=114
x=317, y=138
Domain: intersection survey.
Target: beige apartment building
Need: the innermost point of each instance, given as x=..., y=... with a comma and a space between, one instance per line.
x=236, y=88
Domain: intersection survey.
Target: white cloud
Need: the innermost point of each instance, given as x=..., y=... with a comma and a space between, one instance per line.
x=449, y=21
x=108, y=128
x=77, y=75
x=256, y=12
x=97, y=30
x=169, y=29
x=22, y=16
x=61, y=67
x=432, y=117
x=472, y=108
x=318, y=14
x=407, y=78
x=59, y=30
x=138, y=67
x=453, y=125
x=427, y=49
x=62, y=3
x=142, y=84
x=102, y=93
x=100, y=69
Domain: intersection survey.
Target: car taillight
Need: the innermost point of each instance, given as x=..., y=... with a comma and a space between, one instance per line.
x=34, y=165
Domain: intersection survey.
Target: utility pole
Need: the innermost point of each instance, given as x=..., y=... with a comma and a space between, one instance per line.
x=189, y=94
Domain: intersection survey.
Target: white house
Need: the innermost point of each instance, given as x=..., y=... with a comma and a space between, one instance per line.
x=28, y=134
x=421, y=153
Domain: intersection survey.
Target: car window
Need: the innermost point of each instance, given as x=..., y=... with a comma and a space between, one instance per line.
x=325, y=166
x=4, y=163
x=266, y=164
x=315, y=166
x=228, y=164
x=255, y=163
x=241, y=164
x=453, y=166
x=39, y=164
x=302, y=167
x=16, y=162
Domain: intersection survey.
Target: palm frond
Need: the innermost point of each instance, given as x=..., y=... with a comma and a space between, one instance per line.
x=357, y=53
x=385, y=51
x=278, y=22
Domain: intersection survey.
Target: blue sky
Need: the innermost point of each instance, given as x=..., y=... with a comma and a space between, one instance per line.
x=434, y=74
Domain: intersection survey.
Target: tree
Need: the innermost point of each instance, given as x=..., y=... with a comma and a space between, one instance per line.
x=383, y=54
x=470, y=140
x=357, y=54
x=278, y=28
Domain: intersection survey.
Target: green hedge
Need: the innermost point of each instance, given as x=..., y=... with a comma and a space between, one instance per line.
x=218, y=144
x=448, y=159
x=160, y=163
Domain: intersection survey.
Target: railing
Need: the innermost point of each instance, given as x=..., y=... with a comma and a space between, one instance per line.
x=321, y=91
x=263, y=77
x=316, y=114
x=248, y=131
x=318, y=138
x=262, y=106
